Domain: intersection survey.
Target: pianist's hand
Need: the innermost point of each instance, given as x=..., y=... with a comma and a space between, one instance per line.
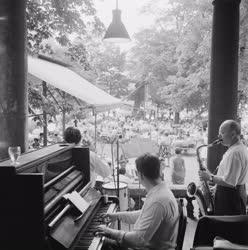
x=109, y=217
x=103, y=230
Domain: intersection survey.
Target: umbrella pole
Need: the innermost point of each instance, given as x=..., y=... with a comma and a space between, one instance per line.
x=118, y=177
x=95, y=128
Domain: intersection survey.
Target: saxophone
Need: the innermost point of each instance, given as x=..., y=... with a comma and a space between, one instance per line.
x=203, y=194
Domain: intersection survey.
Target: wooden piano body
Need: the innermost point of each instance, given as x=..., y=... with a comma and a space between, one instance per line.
x=33, y=211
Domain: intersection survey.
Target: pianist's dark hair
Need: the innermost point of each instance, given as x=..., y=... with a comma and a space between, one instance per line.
x=148, y=165
x=72, y=135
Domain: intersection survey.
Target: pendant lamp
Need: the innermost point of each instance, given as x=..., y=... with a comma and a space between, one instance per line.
x=116, y=32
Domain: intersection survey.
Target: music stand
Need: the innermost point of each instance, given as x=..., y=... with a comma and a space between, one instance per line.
x=117, y=170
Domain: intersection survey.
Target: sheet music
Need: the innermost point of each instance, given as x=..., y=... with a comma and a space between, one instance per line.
x=79, y=202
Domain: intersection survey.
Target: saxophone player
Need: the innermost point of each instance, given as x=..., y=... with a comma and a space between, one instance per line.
x=232, y=174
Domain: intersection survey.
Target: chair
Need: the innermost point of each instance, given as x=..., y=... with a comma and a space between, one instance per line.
x=182, y=224
x=232, y=228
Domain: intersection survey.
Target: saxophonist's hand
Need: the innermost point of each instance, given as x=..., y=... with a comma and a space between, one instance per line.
x=204, y=175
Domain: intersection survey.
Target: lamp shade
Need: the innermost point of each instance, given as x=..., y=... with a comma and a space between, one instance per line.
x=116, y=31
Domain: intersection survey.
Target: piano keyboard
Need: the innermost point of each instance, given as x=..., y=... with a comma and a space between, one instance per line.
x=86, y=239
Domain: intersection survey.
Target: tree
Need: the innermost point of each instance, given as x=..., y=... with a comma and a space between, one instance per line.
x=51, y=26
x=173, y=55
x=243, y=58
x=108, y=63
x=152, y=61
x=59, y=19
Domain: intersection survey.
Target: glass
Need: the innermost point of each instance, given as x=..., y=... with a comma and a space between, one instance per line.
x=14, y=153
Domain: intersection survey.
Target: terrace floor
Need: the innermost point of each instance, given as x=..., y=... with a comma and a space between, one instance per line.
x=189, y=234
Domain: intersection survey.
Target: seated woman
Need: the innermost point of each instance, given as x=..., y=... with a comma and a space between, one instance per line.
x=97, y=166
x=36, y=144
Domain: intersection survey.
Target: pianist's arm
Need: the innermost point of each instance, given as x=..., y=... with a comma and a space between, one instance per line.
x=128, y=217
x=144, y=229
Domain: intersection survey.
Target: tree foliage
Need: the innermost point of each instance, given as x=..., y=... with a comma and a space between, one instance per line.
x=52, y=27
x=109, y=64
x=243, y=57
x=69, y=31
x=173, y=55
x=59, y=19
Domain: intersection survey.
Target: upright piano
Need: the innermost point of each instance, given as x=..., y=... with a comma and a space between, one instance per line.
x=34, y=212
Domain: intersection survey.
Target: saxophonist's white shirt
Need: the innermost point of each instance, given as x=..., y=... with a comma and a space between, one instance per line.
x=234, y=165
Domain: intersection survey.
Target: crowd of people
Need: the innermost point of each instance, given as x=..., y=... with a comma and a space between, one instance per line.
x=163, y=133
x=111, y=123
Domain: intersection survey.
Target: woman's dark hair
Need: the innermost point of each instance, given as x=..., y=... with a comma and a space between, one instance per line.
x=72, y=135
x=122, y=171
x=148, y=165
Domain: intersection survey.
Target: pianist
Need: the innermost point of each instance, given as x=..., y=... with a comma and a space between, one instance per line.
x=97, y=166
x=156, y=225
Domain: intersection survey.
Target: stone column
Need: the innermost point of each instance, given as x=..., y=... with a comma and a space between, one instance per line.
x=13, y=67
x=224, y=72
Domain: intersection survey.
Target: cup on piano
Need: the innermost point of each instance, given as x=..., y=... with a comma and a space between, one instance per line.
x=14, y=153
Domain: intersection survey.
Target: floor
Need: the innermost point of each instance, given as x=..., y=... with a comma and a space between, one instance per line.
x=189, y=234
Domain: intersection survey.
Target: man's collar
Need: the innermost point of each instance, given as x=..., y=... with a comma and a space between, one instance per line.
x=235, y=143
x=154, y=189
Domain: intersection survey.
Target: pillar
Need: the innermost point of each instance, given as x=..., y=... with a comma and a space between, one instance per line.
x=13, y=67
x=224, y=72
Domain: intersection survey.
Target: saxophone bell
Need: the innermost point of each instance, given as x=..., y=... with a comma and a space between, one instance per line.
x=191, y=189
x=202, y=193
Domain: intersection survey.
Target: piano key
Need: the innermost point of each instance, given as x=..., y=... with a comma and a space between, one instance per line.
x=87, y=240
